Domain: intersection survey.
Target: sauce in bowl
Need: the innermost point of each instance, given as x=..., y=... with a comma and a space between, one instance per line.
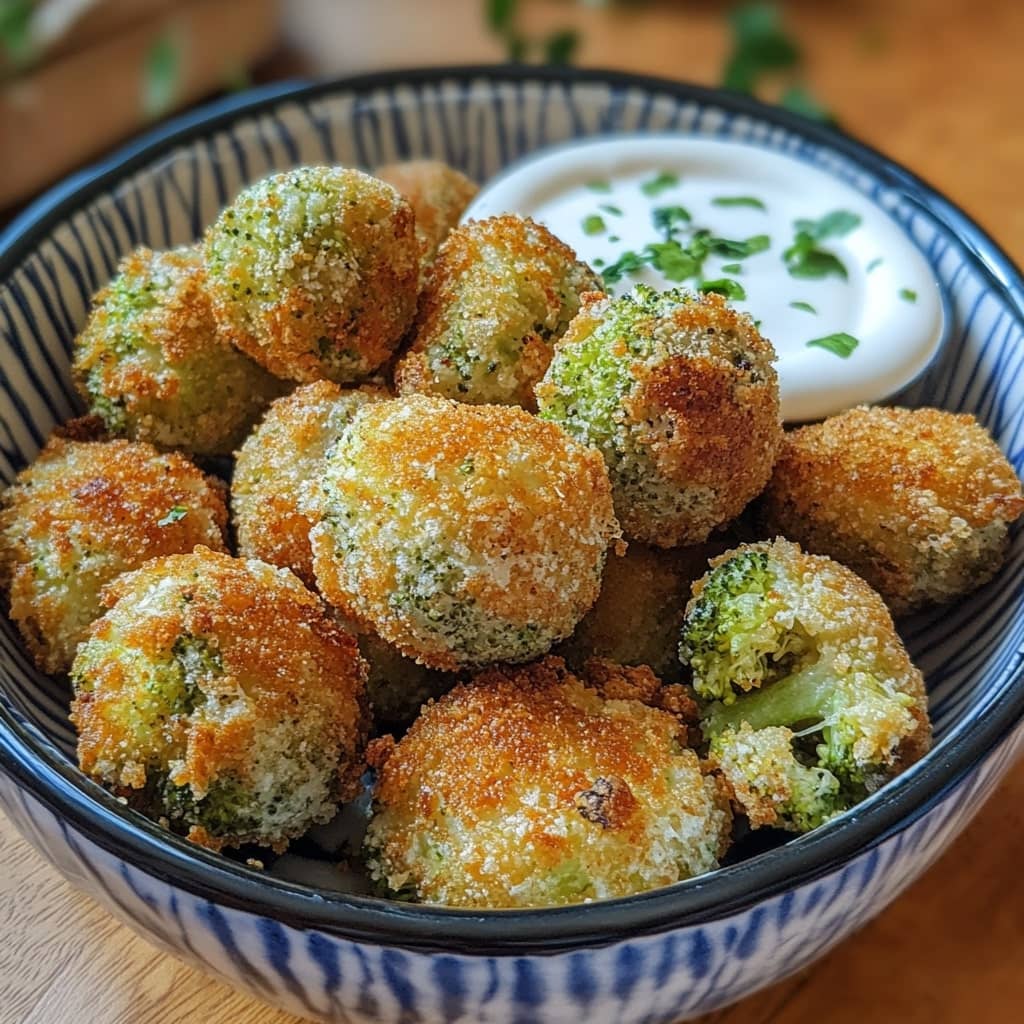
x=847, y=299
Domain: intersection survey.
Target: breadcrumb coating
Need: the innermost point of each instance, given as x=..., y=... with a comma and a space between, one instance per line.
x=917, y=501
x=462, y=534
x=152, y=363
x=679, y=394
x=437, y=194
x=81, y=514
x=280, y=462
x=501, y=293
x=637, y=615
x=314, y=272
x=217, y=693
x=529, y=787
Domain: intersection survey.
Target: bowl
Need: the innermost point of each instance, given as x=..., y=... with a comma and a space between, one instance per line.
x=659, y=956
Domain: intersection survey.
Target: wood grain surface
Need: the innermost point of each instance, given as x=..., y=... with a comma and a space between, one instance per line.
x=935, y=84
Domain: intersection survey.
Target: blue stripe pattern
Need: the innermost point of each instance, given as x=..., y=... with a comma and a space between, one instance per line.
x=971, y=653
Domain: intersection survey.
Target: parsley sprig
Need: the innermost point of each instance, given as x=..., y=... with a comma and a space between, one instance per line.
x=805, y=258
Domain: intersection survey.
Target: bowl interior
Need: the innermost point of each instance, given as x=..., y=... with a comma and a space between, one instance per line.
x=165, y=196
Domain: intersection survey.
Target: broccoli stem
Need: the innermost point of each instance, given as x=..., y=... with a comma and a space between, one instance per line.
x=804, y=698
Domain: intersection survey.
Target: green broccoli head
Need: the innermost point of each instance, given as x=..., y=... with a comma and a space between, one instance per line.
x=813, y=703
x=734, y=638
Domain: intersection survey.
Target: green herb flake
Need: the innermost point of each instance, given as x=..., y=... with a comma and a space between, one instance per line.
x=560, y=47
x=723, y=286
x=732, y=268
x=16, y=31
x=669, y=219
x=162, y=74
x=593, y=225
x=840, y=344
x=662, y=181
x=599, y=185
x=800, y=100
x=500, y=14
x=615, y=211
x=806, y=307
x=752, y=201
x=174, y=515
x=836, y=224
x=908, y=295
x=598, y=262
x=760, y=45
x=614, y=238
x=874, y=264
x=805, y=259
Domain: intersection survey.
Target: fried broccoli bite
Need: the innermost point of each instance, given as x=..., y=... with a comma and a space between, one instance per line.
x=461, y=534
x=530, y=788
x=917, y=501
x=314, y=272
x=813, y=701
x=218, y=695
x=279, y=461
x=501, y=293
x=679, y=394
x=437, y=194
x=638, y=614
x=152, y=364
x=83, y=513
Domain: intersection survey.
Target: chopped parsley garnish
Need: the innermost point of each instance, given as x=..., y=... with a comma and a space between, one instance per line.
x=598, y=262
x=806, y=259
x=724, y=286
x=840, y=344
x=599, y=185
x=874, y=264
x=752, y=201
x=732, y=268
x=833, y=225
x=659, y=183
x=669, y=219
x=593, y=225
x=908, y=295
x=805, y=306
x=615, y=211
x=174, y=515
x=614, y=238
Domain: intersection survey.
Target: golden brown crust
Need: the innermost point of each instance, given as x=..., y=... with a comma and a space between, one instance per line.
x=280, y=658
x=279, y=462
x=917, y=501
x=499, y=295
x=437, y=194
x=84, y=512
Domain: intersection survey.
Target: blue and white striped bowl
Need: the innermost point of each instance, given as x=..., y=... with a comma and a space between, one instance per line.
x=660, y=956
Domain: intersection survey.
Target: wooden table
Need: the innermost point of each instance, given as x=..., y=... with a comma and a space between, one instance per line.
x=938, y=86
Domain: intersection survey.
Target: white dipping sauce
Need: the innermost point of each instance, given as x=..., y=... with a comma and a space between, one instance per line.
x=897, y=335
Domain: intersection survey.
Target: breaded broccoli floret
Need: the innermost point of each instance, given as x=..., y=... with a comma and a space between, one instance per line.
x=679, y=394
x=501, y=293
x=461, y=534
x=533, y=787
x=218, y=696
x=813, y=701
x=314, y=272
x=152, y=363
x=917, y=501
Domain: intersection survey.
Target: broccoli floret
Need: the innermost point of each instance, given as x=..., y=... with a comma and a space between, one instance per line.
x=731, y=638
x=768, y=781
x=813, y=703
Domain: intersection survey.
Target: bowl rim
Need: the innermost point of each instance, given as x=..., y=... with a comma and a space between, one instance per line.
x=41, y=771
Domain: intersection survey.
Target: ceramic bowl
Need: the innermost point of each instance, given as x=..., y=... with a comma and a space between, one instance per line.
x=339, y=956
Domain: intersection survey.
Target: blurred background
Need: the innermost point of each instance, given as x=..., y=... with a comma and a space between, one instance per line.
x=933, y=83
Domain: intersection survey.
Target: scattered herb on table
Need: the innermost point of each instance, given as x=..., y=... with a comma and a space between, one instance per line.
x=16, y=31
x=806, y=307
x=799, y=99
x=557, y=48
x=840, y=344
x=593, y=225
x=752, y=201
x=161, y=81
